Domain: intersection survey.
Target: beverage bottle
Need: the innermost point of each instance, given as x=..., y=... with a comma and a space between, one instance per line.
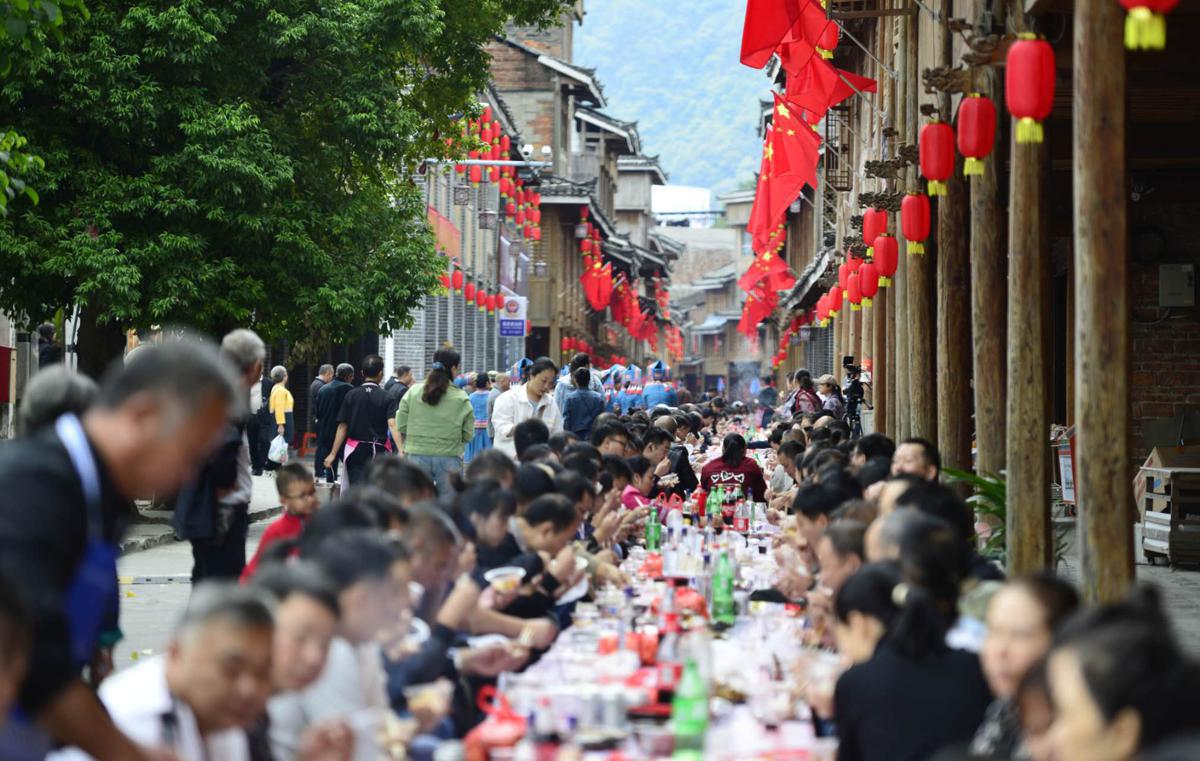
x=705, y=580
x=670, y=553
x=689, y=713
x=656, y=527
x=724, y=610
x=741, y=517
x=668, y=663
x=650, y=546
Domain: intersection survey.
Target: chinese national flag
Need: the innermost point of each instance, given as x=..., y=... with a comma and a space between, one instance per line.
x=817, y=85
x=767, y=23
x=790, y=157
x=759, y=304
x=766, y=265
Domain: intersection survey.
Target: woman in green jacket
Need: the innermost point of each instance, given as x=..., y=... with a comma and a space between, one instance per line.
x=435, y=421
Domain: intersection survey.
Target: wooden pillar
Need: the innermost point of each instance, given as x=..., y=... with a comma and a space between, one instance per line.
x=882, y=375
x=1101, y=303
x=866, y=335
x=1028, y=422
x=989, y=287
x=898, y=298
x=854, y=326
x=954, y=326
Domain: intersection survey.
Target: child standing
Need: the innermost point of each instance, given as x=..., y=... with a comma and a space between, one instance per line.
x=298, y=495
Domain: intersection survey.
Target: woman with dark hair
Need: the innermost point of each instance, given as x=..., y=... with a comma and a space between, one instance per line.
x=479, y=407
x=1119, y=682
x=1022, y=618
x=908, y=694
x=734, y=469
x=532, y=399
x=435, y=421
x=806, y=401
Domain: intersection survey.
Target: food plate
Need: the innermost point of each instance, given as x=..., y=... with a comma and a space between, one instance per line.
x=506, y=579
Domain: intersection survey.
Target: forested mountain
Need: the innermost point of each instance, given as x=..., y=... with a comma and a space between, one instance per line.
x=672, y=65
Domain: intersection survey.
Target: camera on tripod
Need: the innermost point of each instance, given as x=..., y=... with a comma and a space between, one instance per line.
x=854, y=393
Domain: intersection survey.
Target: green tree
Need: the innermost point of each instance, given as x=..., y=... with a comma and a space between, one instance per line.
x=231, y=162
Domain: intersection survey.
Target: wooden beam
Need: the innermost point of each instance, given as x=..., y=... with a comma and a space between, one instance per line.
x=1101, y=303
x=1028, y=422
x=989, y=288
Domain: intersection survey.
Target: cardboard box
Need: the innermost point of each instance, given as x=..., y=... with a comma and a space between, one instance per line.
x=1162, y=457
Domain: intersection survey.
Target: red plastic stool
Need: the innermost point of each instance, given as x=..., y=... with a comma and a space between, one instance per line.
x=304, y=443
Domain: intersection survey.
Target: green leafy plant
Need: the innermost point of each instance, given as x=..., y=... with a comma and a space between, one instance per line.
x=989, y=500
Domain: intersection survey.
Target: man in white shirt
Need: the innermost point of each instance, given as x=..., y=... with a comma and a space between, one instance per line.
x=197, y=700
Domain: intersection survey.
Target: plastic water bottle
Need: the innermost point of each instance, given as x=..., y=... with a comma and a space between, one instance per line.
x=653, y=528
x=724, y=609
x=689, y=713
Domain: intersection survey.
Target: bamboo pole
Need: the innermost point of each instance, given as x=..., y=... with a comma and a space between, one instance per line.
x=1028, y=518
x=1101, y=303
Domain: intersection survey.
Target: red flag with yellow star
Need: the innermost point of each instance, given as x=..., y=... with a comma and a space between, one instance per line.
x=816, y=85
x=759, y=304
x=767, y=22
x=765, y=265
x=790, y=156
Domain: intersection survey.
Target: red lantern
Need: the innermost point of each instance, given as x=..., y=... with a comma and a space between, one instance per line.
x=476, y=174
x=976, y=131
x=583, y=213
x=505, y=144
x=460, y=168
x=585, y=245
x=537, y=233
x=445, y=280
x=844, y=271
x=835, y=300
x=469, y=291
x=853, y=293
x=1029, y=85
x=519, y=218
x=503, y=185
x=823, y=310
x=914, y=221
x=494, y=174
x=868, y=282
x=457, y=280
x=828, y=39
x=487, y=114
x=481, y=299
x=875, y=221
x=535, y=216
x=566, y=344
x=510, y=209
x=485, y=132
x=853, y=263
x=887, y=258
x=937, y=155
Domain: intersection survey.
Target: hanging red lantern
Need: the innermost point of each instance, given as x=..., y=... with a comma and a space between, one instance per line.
x=460, y=168
x=445, y=280
x=481, y=300
x=844, y=271
x=505, y=144
x=510, y=209
x=519, y=217
x=487, y=114
x=535, y=216
x=503, y=185
x=835, y=300
x=457, y=280
x=566, y=344
x=469, y=291
x=823, y=310
x=937, y=155
x=494, y=174
x=485, y=132
x=853, y=263
x=1029, y=85
x=537, y=199
x=828, y=40
x=887, y=258
x=537, y=233
x=583, y=213
x=868, y=282
x=476, y=174
x=914, y=221
x=976, y=131
x=853, y=293
x=585, y=245
x=874, y=222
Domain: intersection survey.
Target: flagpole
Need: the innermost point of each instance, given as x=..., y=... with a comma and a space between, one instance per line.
x=864, y=49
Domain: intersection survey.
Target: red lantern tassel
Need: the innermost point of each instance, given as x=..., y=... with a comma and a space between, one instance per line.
x=1028, y=131
x=866, y=302
x=972, y=166
x=1145, y=29
x=938, y=188
x=916, y=247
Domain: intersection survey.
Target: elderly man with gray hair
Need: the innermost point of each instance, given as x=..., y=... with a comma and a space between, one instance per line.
x=68, y=490
x=198, y=699
x=212, y=512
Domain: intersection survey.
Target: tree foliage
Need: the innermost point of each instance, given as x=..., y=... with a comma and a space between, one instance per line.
x=232, y=162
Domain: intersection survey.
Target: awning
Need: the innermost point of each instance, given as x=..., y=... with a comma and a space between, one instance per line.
x=801, y=294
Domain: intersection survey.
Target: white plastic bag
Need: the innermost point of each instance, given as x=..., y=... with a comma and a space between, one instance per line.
x=278, y=451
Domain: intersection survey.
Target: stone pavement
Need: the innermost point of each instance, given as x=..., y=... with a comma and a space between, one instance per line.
x=1180, y=592
x=153, y=528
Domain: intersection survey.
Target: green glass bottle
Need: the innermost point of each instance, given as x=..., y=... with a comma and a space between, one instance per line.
x=724, y=609
x=689, y=713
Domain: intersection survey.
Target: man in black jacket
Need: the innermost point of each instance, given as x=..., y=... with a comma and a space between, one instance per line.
x=213, y=512
x=67, y=497
x=328, y=404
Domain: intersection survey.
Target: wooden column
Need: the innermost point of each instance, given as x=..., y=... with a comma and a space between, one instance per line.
x=898, y=297
x=1101, y=303
x=882, y=376
x=866, y=335
x=1028, y=424
x=854, y=344
x=989, y=288
x=954, y=326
